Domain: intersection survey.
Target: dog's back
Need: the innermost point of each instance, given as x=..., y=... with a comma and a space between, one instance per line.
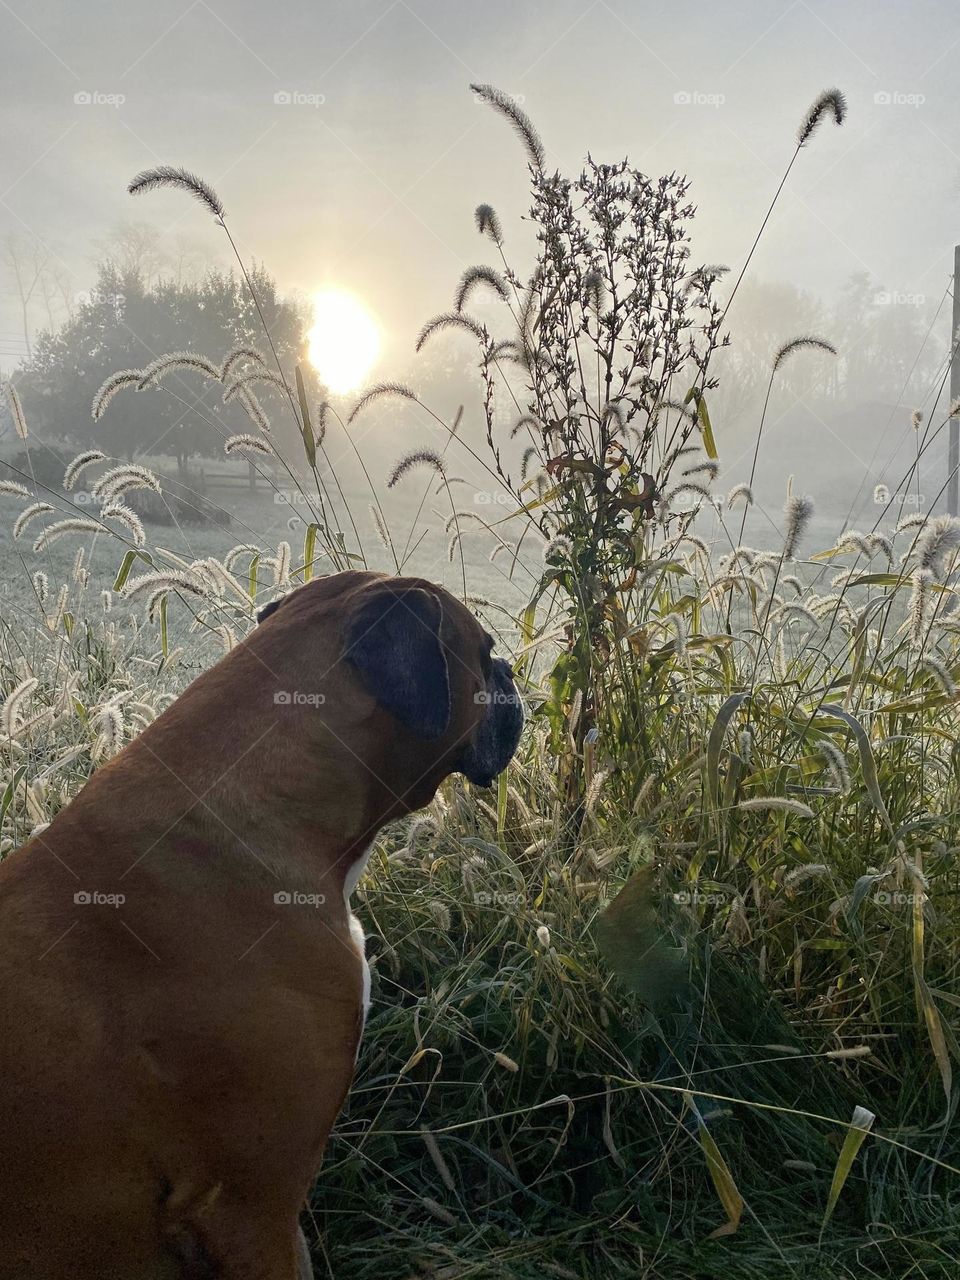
x=182, y=1108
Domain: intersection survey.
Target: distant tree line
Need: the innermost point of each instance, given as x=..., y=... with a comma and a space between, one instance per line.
x=135, y=314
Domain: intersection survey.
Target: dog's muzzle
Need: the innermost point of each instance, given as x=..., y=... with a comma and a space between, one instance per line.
x=495, y=741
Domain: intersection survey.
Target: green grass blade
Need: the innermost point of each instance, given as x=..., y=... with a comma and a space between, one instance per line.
x=860, y=1126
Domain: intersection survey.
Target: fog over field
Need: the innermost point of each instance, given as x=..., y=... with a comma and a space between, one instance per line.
x=350, y=154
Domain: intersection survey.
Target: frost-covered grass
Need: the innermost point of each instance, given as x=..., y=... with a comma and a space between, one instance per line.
x=783, y=949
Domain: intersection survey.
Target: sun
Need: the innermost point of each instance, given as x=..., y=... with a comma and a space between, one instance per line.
x=344, y=341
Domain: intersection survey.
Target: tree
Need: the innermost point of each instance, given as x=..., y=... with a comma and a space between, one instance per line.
x=127, y=323
x=25, y=264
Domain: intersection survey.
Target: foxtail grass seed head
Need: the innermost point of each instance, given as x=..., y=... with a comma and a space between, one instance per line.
x=256, y=378
x=530, y=454
x=778, y=804
x=245, y=443
x=855, y=542
x=558, y=548
x=122, y=479
x=53, y=532
x=283, y=563
x=29, y=513
x=740, y=493
x=837, y=765
x=697, y=543
x=239, y=551
x=379, y=525
x=854, y=1051
x=802, y=344
x=168, y=580
x=16, y=410
x=417, y=458
x=795, y=610
x=830, y=103
x=150, y=376
x=917, y=608
x=14, y=489
x=940, y=539
x=15, y=700
x=879, y=542
x=710, y=469
x=525, y=423
x=505, y=1061
x=686, y=486
x=109, y=721
x=240, y=355
x=126, y=516
x=378, y=392
x=809, y=871
x=517, y=118
x=916, y=521
x=254, y=410
x=79, y=464
x=474, y=276
x=940, y=673
x=916, y=419
x=798, y=511
x=41, y=585
x=108, y=389
x=488, y=224
x=168, y=175
x=450, y=320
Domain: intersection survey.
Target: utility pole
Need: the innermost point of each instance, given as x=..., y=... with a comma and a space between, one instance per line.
x=953, y=453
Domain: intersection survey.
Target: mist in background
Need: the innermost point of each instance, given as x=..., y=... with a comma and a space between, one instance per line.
x=349, y=152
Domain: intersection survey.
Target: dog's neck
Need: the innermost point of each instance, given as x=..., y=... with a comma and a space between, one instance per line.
x=211, y=790
x=294, y=792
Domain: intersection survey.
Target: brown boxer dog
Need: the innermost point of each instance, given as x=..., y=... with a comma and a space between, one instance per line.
x=182, y=984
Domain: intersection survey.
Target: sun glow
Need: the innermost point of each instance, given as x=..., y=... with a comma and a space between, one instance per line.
x=344, y=341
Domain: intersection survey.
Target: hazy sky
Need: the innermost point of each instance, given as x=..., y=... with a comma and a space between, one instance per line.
x=370, y=180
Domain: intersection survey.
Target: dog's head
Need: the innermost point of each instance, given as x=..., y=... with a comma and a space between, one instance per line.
x=425, y=661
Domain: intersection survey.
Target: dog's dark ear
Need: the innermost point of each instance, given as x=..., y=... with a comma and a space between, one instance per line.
x=393, y=640
x=267, y=609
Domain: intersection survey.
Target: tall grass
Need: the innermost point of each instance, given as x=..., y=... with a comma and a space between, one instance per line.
x=679, y=998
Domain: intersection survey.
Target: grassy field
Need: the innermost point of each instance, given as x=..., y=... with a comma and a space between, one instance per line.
x=586, y=1055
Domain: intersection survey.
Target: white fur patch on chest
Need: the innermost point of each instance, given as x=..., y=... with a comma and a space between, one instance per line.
x=356, y=930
